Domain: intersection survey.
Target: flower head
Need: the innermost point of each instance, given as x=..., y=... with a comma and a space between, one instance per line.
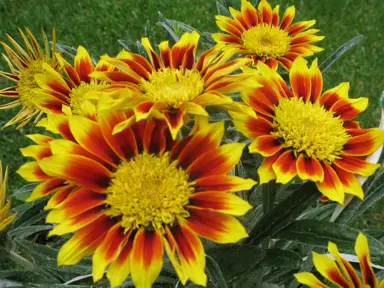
x=71, y=90
x=5, y=206
x=341, y=272
x=24, y=65
x=173, y=85
x=306, y=132
x=132, y=195
x=259, y=34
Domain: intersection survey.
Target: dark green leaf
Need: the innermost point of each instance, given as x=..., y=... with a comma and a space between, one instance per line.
x=170, y=30
x=221, y=10
x=215, y=274
x=356, y=207
x=70, y=51
x=24, y=276
x=281, y=258
x=34, y=209
x=319, y=233
x=284, y=213
x=127, y=44
x=252, y=280
x=236, y=260
x=23, y=232
x=322, y=212
x=340, y=51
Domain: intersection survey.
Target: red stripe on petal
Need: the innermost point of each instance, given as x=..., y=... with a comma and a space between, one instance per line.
x=215, y=226
x=317, y=82
x=355, y=165
x=350, y=182
x=348, y=109
x=309, y=169
x=83, y=64
x=288, y=16
x=222, y=183
x=333, y=95
x=266, y=145
x=174, y=120
x=285, y=167
x=301, y=79
x=60, y=194
x=165, y=53
x=147, y=257
x=331, y=187
x=45, y=188
x=265, y=171
x=81, y=170
x=365, y=144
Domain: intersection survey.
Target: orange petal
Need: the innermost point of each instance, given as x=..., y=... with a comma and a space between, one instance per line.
x=69, y=70
x=275, y=16
x=120, y=269
x=309, y=169
x=191, y=254
x=300, y=26
x=88, y=134
x=266, y=145
x=265, y=10
x=253, y=127
x=32, y=172
x=285, y=167
x=300, y=78
x=335, y=94
x=365, y=144
x=220, y=202
x=224, y=183
x=288, y=16
x=59, y=195
x=155, y=60
x=108, y=251
x=355, y=165
x=36, y=151
x=143, y=110
x=147, y=257
x=174, y=121
x=165, y=53
x=362, y=252
x=44, y=189
x=83, y=64
x=329, y=269
x=250, y=14
x=39, y=138
x=204, y=140
x=331, y=187
x=317, y=82
x=348, y=109
x=265, y=171
x=84, y=242
x=218, y=161
x=81, y=170
x=310, y=280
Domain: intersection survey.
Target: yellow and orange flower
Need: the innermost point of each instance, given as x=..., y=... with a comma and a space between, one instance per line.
x=24, y=65
x=70, y=91
x=259, y=34
x=174, y=85
x=342, y=272
x=303, y=131
x=132, y=195
x=5, y=220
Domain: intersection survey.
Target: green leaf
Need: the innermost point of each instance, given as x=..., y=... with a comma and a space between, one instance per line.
x=34, y=208
x=24, y=276
x=127, y=44
x=322, y=212
x=24, y=192
x=356, y=207
x=319, y=233
x=236, y=260
x=340, y=51
x=23, y=232
x=284, y=213
x=222, y=10
x=252, y=280
x=215, y=274
x=169, y=30
x=281, y=258
x=68, y=50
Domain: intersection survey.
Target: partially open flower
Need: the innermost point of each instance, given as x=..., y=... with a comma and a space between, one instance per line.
x=260, y=35
x=24, y=65
x=132, y=195
x=174, y=85
x=5, y=206
x=309, y=133
x=341, y=272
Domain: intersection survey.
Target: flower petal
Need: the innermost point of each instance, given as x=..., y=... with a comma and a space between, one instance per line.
x=355, y=165
x=32, y=172
x=350, y=182
x=288, y=16
x=81, y=170
x=191, y=254
x=215, y=226
x=310, y=280
x=44, y=189
x=348, y=109
x=300, y=79
x=265, y=171
x=365, y=144
x=147, y=257
x=83, y=64
x=266, y=145
x=331, y=187
x=108, y=250
x=224, y=183
x=84, y=242
x=317, y=82
x=285, y=167
x=309, y=169
x=174, y=121
x=220, y=202
x=362, y=252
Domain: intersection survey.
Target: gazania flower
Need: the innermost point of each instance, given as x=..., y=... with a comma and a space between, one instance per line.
x=173, y=85
x=302, y=131
x=70, y=91
x=5, y=220
x=132, y=195
x=24, y=65
x=261, y=35
x=342, y=272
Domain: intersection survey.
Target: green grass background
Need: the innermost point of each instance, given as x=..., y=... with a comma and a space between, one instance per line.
x=97, y=24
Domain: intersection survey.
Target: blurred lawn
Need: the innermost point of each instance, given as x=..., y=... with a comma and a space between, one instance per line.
x=97, y=24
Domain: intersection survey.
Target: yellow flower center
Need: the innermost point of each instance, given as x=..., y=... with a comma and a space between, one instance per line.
x=267, y=41
x=148, y=191
x=26, y=85
x=173, y=87
x=79, y=102
x=309, y=128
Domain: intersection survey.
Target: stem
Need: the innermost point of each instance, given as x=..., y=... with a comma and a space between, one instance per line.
x=269, y=196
